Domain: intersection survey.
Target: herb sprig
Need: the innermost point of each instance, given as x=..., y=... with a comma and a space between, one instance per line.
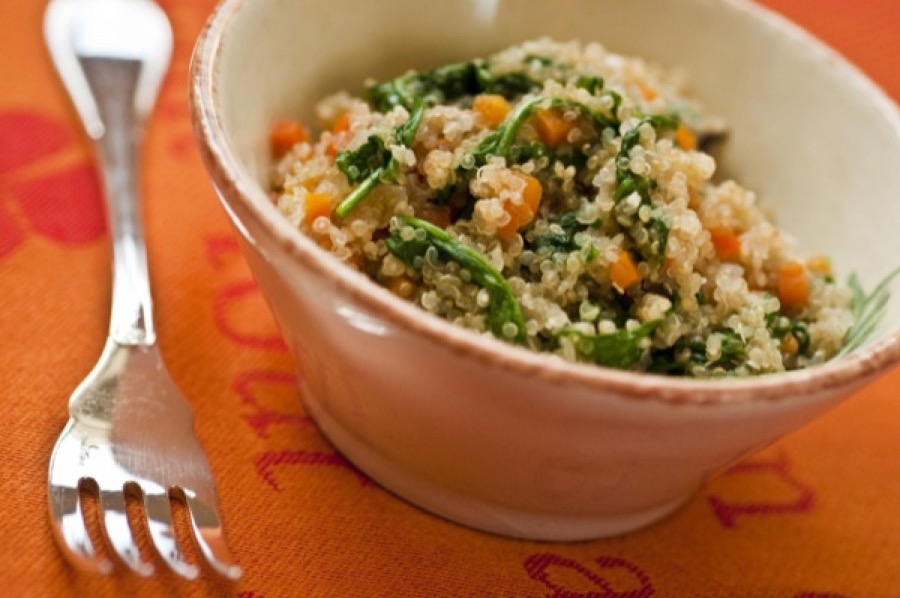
x=628, y=182
x=868, y=311
x=373, y=163
x=503, y=307
x=446, y=84
x=563, y=241
x=503, y=140
x=621, y=349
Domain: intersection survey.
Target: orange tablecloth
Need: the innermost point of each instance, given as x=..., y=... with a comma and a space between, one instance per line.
x=813, y=516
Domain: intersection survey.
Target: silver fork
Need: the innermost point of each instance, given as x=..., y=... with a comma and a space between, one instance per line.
x=130, y=428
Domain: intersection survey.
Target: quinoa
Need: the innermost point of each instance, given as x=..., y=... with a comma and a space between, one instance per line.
x=557, y=196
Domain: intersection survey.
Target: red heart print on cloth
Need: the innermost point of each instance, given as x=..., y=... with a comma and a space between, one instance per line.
x=48, y=186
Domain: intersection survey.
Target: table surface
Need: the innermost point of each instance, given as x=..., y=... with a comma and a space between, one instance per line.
x=812, y=516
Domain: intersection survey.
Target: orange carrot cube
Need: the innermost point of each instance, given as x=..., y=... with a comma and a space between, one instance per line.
x=317, y=205
x=493, y=109
x=552, y=127
x=624, y=273
x=792, y=285
x=727, y=244
x=685, y=138
x=285, y=135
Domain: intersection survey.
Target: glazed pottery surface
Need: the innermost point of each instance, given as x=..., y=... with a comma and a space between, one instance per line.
x=490, y=435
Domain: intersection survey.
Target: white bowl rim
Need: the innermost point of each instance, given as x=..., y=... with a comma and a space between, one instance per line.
x=849, y=371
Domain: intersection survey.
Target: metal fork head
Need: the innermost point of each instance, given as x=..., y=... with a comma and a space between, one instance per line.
x=130, y=427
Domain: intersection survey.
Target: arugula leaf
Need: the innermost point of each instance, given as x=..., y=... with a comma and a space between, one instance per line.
x=686, y=354
x=372, y=163
x=508, y=85
x=541, y=60
x=535, y=150
x=406, y=133
x=797, y=328
x=523, y=152
x=732, y=352
x=502, y=141
x=433, y=86
x=594, y=85
x=659, y=228
x=618, y=350
x=600, y=121
x=446, y=84
x=679, y=359
x=563, y=242
x=359, y=164
x=591, y=84
x=627, y=181
x=503, y=307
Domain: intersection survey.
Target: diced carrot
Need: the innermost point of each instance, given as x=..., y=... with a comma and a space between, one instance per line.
x=436, y=215
x=317, y=205
x=727, y=244
x=508, y=231
x=402, y=286
x=285, y=135
x=790, y=345
x=492, y=108
x=523, y=213
x=793, y=285
x=819, y=265
x=342, y=124
x=552, y=127
x=685, y=138
x=624, y=273
x=648, y=92
x=339, y=137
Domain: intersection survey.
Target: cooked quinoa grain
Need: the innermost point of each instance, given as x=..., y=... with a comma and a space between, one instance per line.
x=557, y=196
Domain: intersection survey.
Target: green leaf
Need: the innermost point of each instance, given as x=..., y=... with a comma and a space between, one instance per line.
x=523, y=152
x=359, y=164
x=599, y=120
x=627, y=181
x=509, y=85
x=357, y=195
x=686, y=354
x=373, y=162
x=406, y=133
x=659, y=228
x=733, y=352
x=541, y=60
x=502, y=141
x=503, y=307
x=563, y=242
x=446, y=84
x=384, y=96
x=868, y=311
x=618, y=350
x=591, y=84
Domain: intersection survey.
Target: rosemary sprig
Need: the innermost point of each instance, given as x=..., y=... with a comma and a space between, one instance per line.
x=868, y=311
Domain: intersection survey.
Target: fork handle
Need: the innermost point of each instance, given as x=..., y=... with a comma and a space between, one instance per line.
x=114, y=86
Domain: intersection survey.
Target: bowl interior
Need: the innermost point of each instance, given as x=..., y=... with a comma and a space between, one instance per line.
x=816, y=140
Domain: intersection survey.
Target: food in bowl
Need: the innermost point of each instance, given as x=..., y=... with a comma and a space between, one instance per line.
x=557, y=196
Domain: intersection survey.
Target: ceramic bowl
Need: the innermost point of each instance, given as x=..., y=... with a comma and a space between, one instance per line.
x=490, y=435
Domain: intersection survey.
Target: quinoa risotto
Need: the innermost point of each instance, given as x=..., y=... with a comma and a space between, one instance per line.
x=557, y=196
